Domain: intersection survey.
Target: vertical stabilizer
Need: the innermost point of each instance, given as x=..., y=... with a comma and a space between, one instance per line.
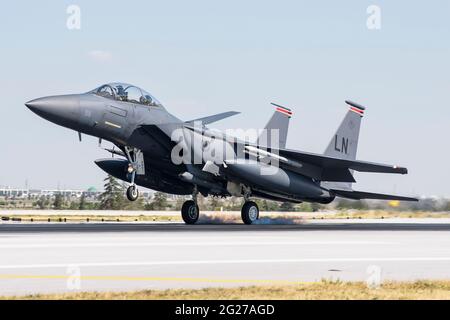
x=344, y=143
x=277, y=125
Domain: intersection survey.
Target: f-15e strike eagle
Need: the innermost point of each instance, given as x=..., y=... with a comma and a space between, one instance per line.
x=161, y=152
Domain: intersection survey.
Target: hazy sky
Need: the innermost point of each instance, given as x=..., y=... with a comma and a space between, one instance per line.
x=204, y=57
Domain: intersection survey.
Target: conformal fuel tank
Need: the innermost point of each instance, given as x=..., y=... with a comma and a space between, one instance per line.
x=271, y=177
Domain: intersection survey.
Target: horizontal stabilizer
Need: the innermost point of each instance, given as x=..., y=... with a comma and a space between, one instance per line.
x=358, y=195
x=323, y=161
x=214, y=118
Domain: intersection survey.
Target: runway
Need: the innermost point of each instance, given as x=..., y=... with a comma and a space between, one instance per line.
x=67, y=257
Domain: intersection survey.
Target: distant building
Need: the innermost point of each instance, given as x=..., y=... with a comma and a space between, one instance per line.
x=14, y=193
x=91, y=193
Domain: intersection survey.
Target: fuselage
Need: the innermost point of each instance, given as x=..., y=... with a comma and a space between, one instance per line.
x=123, y=115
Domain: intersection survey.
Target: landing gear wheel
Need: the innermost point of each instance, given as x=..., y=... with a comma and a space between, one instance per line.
x=132, y=193
x=250, y=212
x=190, y=212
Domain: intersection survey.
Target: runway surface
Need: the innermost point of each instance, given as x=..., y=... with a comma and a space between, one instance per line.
x=66, y=257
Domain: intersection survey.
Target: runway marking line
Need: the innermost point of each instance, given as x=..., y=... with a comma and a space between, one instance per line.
x=185, y=244
x=244, y=261
x=167, y=279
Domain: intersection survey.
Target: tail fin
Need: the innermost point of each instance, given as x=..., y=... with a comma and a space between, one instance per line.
x=344, y=143
x=278, y=123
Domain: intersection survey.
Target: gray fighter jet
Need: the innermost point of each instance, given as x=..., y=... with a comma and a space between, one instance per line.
x=159, y=151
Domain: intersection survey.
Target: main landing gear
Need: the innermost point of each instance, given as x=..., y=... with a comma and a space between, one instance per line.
x=190, y=211
x=249, y=212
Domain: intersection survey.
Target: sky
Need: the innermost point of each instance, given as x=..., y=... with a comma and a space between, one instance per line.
x=204, y=57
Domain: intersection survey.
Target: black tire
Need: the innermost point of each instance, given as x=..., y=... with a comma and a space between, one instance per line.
x=132, y=193
x=250, y=212
x=190, y=212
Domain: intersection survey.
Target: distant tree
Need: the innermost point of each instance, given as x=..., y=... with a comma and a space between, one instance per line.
x=82, y=203
x=428, y=204
x=267, y=205
x=304, y=207
x=41, y=202
x=58, y=202
x=447, y=206
x=92, y=206
x=134, y=205
x=113, y=197
x=360, y=205
x=234, y=204
x=343, y=204
x=262, y=204
x=73, y=205
x=287, y=206
x=179, y=204
x=159, y=202
x=214, y=204
x=315, y=207
x=202, y=202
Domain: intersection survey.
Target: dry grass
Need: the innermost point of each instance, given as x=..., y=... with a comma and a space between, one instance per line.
x=320, y=290
x=385, y=214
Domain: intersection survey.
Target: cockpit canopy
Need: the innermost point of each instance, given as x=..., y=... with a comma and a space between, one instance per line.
x=127, y=93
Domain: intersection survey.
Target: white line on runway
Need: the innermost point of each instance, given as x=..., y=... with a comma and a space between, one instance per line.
x=192, y=262
x=188, y=237
x=206, y=243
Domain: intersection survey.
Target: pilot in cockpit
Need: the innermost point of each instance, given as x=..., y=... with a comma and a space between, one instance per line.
x=127, y=93
x=121, y=93
x=147, y=100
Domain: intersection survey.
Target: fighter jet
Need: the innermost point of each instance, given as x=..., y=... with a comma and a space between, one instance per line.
x=159, y=151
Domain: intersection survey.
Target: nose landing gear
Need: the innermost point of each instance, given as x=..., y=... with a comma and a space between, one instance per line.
x=132, y=156
x=132, y=193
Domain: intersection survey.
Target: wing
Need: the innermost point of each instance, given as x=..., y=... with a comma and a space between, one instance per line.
x=214, y=118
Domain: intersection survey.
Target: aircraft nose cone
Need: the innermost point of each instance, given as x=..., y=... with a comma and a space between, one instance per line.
x=39, y=105
x=61, y=110
x=32, y=104
x=52, y=104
